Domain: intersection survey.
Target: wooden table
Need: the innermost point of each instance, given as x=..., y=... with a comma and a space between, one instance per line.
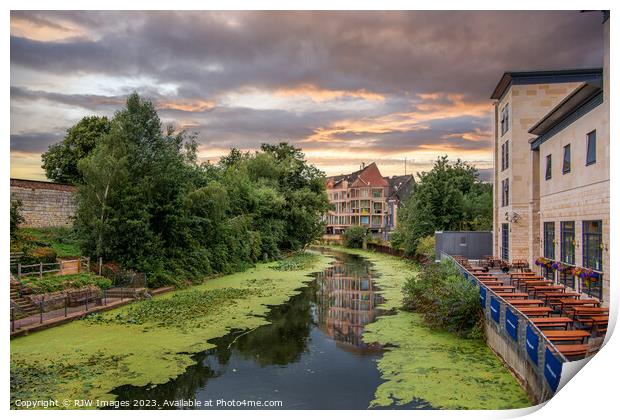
x=583, y=311
x=526, y=302
x=541, y=288
x=577, y=302
x=509, y=296
x=556, y=296
x=525, y=282
x=572, y=350
x=535, y=310
x=525, y=274
x=492, y=282
x=552, y=322
x=568, y=335
x=502, y=288
x=597, y=321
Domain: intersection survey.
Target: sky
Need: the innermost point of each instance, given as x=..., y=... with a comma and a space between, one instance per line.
x=346, y=87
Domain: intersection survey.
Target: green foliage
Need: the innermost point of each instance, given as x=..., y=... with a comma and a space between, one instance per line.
x=54, y=283
x=181, y=310
x=40, y=254
x=449, y=197
x=425, y=251
x=445, y=299
x=355, y=236
x=62, y=240
x=61, y=160
x=16, y=217
x=147, y=204
x=297, y=261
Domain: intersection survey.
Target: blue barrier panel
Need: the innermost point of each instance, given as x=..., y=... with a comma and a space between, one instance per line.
x=495, y=309
x=531, y=344
x=512, y=324
x=483, y=296
x=553, y=370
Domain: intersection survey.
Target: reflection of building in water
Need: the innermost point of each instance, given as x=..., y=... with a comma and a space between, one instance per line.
x=347, y=301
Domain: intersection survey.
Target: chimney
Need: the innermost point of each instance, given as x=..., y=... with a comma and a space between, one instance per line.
x=363, y=165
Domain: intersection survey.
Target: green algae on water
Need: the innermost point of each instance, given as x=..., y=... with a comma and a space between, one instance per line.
x=438, y=367
x=87, y=359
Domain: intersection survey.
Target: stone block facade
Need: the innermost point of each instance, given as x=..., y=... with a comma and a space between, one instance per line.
x=44, y=204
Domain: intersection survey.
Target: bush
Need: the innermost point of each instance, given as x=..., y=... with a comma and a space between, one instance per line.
x=425, y=251
x=355, y=236
x=445, y=299
x=41, y=254
x=54, y=283
x=16, y=217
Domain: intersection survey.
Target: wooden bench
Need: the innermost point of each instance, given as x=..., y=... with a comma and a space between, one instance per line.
x=572, y=350
x=509, y=296
x=526, y=302
x=552, y=322
x=535, y=310
x=568, y=335
x=502, y=288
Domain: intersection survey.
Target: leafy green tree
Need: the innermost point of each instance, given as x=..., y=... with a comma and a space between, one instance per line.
x=449, y=197
x=16, y=217
x=355, y=236
x=61, y=160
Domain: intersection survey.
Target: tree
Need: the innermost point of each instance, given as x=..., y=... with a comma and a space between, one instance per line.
x=449, y=197
x=61, y=160
x=355, y=236
x=16, y=217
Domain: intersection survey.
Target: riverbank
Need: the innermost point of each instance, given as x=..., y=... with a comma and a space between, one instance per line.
x=447, y=371
x=139, y=345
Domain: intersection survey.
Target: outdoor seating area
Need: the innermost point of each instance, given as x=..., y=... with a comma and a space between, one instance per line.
x=573, y=323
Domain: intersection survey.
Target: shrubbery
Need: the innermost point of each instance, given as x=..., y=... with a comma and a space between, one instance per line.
x=54, y=283
x=16, y=217
x=445, y=299
x=425, y=251
x=355, y=236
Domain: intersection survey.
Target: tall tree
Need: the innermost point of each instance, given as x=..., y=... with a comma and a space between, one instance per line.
x=61, y=160
x=449, y=197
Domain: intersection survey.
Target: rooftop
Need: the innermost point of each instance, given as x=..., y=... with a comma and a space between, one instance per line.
x=544, y=76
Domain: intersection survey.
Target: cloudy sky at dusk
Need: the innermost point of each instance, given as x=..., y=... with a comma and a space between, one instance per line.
x=345, y=86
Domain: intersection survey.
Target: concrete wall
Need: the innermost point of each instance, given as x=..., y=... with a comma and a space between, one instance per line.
x=44, y=204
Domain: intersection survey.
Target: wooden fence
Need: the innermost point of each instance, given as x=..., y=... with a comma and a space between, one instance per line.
x=60, y=267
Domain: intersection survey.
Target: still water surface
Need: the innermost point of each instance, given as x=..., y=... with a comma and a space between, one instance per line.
x=311, y=355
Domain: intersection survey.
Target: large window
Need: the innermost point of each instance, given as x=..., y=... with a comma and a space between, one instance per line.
x=548, y=168
x=504, y=250
x=566, y=161
x=504, y=119
x=505, y=192
x=549, y=247
x=591, y=152
x=593, y=244
x=567, y=239
x=549, y=240
x=505, y=156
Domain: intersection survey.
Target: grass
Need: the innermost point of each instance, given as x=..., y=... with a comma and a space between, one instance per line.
x=54, y=283
x=61, y=239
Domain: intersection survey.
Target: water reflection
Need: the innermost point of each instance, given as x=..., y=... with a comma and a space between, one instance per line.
x=347, y=300
x=310, y=356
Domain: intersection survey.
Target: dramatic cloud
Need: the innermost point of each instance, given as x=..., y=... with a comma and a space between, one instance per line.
x=372, y=85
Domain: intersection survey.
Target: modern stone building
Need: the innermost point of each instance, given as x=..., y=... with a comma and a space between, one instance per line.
x=551, y=178
x=366, y=198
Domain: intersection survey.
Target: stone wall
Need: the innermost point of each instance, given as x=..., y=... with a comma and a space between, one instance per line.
x=44, y=204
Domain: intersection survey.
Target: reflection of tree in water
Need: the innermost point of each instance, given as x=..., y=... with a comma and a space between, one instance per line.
x=285, y=339
x=183, y=387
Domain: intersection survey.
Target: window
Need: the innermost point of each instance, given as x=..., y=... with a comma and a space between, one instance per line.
x=504, y=120
x=505, y=191
x=566, y=161
x=504, y=250
x=593, y=244
x=548, y=168
x=505, y=156
x=549, y=240
x=591, y=153
x=567, y=239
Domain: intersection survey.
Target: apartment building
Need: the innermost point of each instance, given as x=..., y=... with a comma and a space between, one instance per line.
x=551, y=178
x=366, y=198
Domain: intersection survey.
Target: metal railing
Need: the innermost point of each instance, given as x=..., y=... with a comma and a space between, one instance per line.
x=522, y=335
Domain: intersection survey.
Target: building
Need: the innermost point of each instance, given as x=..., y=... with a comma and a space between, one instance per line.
x=551, y=178
x=366, y=198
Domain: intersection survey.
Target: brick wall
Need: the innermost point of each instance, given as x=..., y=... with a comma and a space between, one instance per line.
x=44, y=204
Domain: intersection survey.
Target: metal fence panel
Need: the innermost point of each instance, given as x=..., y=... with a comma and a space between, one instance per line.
x=470, y=244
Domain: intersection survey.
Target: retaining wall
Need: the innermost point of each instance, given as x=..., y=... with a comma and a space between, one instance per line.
x=44, y=204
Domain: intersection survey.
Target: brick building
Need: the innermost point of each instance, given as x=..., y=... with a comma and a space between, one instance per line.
x=366, y=198
x=551, y=177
